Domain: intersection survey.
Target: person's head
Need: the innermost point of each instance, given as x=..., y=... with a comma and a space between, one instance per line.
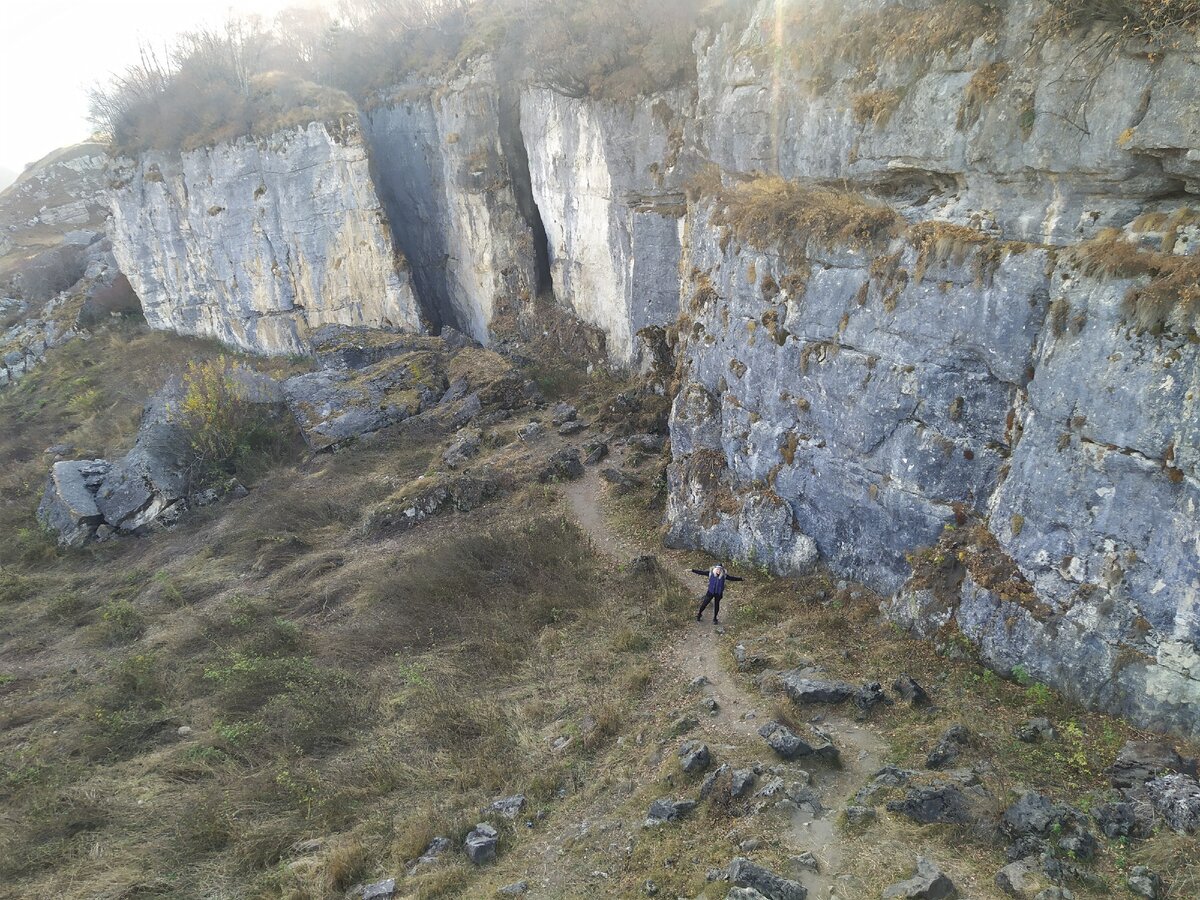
x=718, y=570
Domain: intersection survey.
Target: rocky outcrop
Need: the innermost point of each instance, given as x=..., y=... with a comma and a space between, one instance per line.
x=605, y=179
x=992, y=355
x=446, y=179
x=257, y=242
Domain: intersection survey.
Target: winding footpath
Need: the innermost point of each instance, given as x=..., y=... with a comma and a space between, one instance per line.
x=697, y=652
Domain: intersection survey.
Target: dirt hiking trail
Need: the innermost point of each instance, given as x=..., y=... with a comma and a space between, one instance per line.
x=697, y=651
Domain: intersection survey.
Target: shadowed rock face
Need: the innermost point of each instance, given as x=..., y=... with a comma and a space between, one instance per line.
x=258, y=241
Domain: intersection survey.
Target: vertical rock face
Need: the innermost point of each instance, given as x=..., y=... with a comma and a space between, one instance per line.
x=604, y=179
x=1029, y=130
x=447, y=184
x=256, y=242
x=979, y=370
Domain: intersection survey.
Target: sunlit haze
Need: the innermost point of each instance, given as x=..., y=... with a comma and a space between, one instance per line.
x=51, y=53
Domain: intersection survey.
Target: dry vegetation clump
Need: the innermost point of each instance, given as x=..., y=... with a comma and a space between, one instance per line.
x=1161, y=22
x=826, y=34
x=1168, y=299
x=940, y=242
x=876, y=107
x=983, y=87
x=769, y=212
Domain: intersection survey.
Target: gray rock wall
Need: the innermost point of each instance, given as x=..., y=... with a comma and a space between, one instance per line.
x=445, y=181
x=257, y=242
x=605, y=182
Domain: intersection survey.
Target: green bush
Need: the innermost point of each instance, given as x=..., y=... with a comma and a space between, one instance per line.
x=228, y=430
x=122, y=620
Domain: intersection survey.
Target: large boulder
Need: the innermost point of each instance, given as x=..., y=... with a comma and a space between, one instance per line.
x=927, y=883
x=69, y=502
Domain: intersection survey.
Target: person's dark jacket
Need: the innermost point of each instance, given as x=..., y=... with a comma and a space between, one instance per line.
x=716, y=583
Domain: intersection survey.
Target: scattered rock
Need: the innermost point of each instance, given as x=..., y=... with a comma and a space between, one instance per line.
x=668, y=811
x=1124, y=819
x=1176, y=797
x=1055, y=893
x=1020, y=878
x=1035, y=731
x=563, y=465
x=694, y=757
x=650, y=888
x=747, y=661
x=1139, y=761
x=750, y=845
x=910, y=691
x=885, y=779
x=711, y=704
x=744, y=893
x=808, y=690
x=870, y=695
x=481, y=844
x=745, y=874
x=622, y=482
x=683, y=725
x=509, y=807
x=710, y=780
x=1144, y=883
x=742, y=783
x=699, y=682
x=436, y=848
x=380, y=890
x=927, y=883
x=805, y=862
x=465, y=447
x=531, y=432
x=860, y=816
x=929, y=805
x=593, y=453
x=516, y=889
x=184, y=731
x=947, y=750
x=567, y=429
x=784, y=741
x=561, y=413
x=1034, y=813
x=651, y=443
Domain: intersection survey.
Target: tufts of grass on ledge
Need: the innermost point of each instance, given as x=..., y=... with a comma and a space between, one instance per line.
x=1169, y=300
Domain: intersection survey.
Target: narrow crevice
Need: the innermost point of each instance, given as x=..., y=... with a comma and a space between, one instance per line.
x=512, y=144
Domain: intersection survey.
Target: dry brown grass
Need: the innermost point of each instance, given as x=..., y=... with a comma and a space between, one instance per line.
x=983, y=87
x=1169, y=297
x=825, y=33
x=770, y=212
x=876, y=107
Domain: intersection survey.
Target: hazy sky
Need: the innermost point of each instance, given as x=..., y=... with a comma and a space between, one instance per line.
x=52, y=51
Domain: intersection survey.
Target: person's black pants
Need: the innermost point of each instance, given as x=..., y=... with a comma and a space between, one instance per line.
x=715, y=599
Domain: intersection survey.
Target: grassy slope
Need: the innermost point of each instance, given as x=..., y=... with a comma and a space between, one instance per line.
x=350, y=696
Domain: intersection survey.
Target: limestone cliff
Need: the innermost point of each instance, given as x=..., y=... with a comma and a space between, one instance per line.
x=446, y=181
x=257, y=242
x=995, y=355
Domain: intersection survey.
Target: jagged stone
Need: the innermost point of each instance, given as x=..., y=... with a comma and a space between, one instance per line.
x=1140, y=761
x=509, y=807
x=694, y=757
x=516, y=889
x=710, y=780
x=742, y=783
x=662, y=811
x=784, y=741
x=948, y=748
x=929, y=805
x=563, y=465
x=807, y=690
x=743, y=873
x=1142, y=882
x=1176, y=797
x=465, y=447
x=1021, y=878
x=481, y=844
x=869, y=696
x=859, y=816
x=595, y=452
x=927, y=883
x=380, y=890
x=1035, y=731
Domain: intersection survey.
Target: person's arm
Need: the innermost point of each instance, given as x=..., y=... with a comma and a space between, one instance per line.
x=700, y=572
x=733, y=578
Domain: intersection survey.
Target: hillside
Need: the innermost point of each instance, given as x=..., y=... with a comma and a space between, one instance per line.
x=374, y=402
